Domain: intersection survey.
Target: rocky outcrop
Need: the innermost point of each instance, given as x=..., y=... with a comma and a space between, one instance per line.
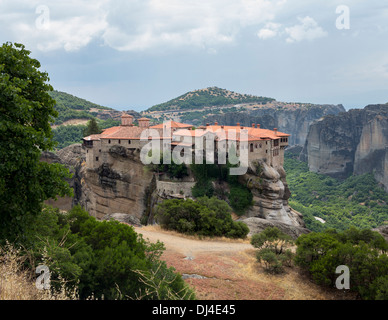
x=119, y=185
x=257, y=225
x=122, y=188
x=353, y=142
x=270, y=194
x=123, y=217
x=72, y=158
x=294, y=121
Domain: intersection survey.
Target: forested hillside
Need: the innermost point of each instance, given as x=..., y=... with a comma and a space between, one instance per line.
x=358, y=201
x=208, y=97
x=71, y=107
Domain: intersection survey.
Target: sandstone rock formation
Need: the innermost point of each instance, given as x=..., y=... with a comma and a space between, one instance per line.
x=353, y=142
x=72, y=158
x=294, y=121
x=270, y=194
x=257, y=225
x=123, y=188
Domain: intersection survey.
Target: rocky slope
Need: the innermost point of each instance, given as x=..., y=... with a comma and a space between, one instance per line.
x=353, y=142
x=294, y=120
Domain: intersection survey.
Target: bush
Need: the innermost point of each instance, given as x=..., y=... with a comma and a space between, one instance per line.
x=103, y=258
x=271, y=243
x=272, y=262
x=362, y=251
x=204, y=217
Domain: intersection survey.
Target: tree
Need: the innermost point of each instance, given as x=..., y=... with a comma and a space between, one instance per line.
x=92, y=128
x=26, y=111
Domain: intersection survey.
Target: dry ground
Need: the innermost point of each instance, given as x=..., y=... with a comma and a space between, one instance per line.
x=223, y=269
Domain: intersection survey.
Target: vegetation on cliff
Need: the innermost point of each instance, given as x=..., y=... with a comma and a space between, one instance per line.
x=239, y=196
x=358, y=201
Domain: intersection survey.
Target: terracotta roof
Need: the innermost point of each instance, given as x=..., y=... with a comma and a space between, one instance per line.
x=173, y=124
x=126, y=116
x=143, y=119
x=92, y=137
x=254, y=134
x=134, y=132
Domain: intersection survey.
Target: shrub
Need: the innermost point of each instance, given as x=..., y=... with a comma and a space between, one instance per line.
x=362, y=251
x=103, y=258
x=204, y=217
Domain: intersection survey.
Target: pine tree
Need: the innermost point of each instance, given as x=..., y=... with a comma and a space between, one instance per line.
x=92, y=128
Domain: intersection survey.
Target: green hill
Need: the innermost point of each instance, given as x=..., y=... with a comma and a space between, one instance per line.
x=208, y=97
x=71, y=107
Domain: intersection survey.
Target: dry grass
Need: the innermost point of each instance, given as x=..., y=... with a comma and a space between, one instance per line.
x=18, y=283
x=236, y=274
x=158, y=229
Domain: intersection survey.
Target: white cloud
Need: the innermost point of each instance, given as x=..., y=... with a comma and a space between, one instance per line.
x=146, y=24
x=308, y=29
x=68, y=25
x=270, y=30
x=134, y=25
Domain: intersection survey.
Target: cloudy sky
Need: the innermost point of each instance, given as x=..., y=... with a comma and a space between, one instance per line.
x=133, y=54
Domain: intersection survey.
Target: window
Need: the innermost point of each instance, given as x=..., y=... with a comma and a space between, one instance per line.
x=109, y=141
x=251, y=147
x=96, y=158
x=119, y=141
x=129, y=141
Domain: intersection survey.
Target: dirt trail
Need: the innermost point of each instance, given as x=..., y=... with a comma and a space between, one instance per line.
x=191, y=247
x=224, y=269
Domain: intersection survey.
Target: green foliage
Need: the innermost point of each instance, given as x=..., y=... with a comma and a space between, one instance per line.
x=105, y=258
x=26, y=110
x=362, y=251
x=212, y=97
x=67, y=135
x=204, y=217
x=92, y=128
x=272, y=244
x=358, y=201
x=173, y=170
x=239, y=197
x=71, y=107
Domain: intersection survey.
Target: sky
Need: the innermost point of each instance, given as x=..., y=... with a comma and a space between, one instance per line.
x=134, y=54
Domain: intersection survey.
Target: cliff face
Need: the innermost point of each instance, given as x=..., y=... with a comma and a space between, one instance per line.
x=353, y=142
x=118, y=186
x=294, y=121
x=270, y=194
x=123, y=185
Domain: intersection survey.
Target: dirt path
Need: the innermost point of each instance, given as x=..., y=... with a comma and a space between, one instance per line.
x=191, y=247
x=224, y=269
